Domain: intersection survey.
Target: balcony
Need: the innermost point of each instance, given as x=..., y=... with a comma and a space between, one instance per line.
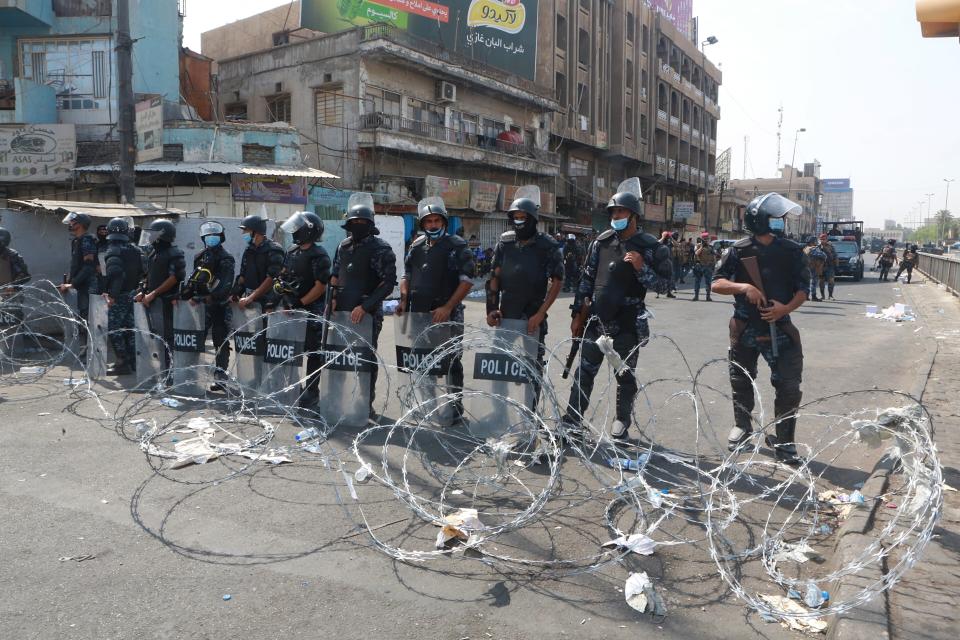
x=685, y=173
x=661, y=116
x=671, y=168
x=685, y=128
x=439, y=142
x=661, y=166
x=675, y=122
x=713, y=146
x=25, y=13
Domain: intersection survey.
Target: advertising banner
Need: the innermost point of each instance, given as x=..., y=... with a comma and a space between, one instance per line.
x=835, y=184
x=501, y=33
x=37, y=153
x=484, y=196
x=278, y=189
x=678, y=12
x=150, y=129
x=455, y=193
x=682, y=210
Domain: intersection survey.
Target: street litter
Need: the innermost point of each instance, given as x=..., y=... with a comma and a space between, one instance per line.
x=32, y=371
x=73, y=382
x=894, y=313
x=227, y=596
x=457, y=526
x=635, y=542
x=627, y=464
x=799, y=553
x=173, y=403
x=82, y=558
x=641, y=595
x=783, y=605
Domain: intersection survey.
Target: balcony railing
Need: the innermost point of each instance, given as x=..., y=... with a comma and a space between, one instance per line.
x=440, y=133
x=685, y=128
x=685, y=172
x=661, y=164
x=674, y=121
x=661, y=115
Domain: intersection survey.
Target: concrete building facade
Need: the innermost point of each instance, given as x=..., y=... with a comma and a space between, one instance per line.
x=837, y=201
x=802, y=187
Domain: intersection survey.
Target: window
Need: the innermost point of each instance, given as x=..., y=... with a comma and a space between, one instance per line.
x=578, y=168
x=629, y=74
x=585, y=4
x=469, y=122
x=492, y=128
x=643, y=80
x=258, y=154
x=426, y=112
x=583, y=99
x=561, y=33
x=173, y=153
x=278, y=109
x=561, y=89
x=643, y=126
x=235, y=111
x=281, y=38
x=77, y=68
x=628, y=114
x=100, y=74
x=630, y=26
x=382, y=101
x=329, y=109
x=583, y=48
x=81, y=8
x=644, y=38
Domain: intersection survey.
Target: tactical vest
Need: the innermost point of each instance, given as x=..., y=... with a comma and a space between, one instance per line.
x=6, y=270
x=909, y=257
x=356, y=279
x=776, y=263
x=706, y=257
x=523, y=275
x=432, y=282
x=255, y=262
x=76, y=254
x=158, y=267
x=617, y=280
x=301, y=267
x=130, y=260
x=887, y=254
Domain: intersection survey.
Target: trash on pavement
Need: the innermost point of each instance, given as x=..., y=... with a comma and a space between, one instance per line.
x=786, y=609
x=800, y=552
x=457, y=526
x=635, y=542
x=641, y=595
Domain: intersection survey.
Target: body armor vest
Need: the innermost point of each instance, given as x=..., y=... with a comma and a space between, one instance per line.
x=432, y=282
x=617, y=280
x=523, y=275
x=776, y=263
x=356, y=280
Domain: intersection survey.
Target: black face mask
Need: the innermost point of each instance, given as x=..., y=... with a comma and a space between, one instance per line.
x=359, y=230
x=527, y=230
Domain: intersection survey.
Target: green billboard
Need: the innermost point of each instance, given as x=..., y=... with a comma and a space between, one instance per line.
x=500, y=33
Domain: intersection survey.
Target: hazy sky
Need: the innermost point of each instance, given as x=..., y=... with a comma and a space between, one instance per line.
x=880, y=103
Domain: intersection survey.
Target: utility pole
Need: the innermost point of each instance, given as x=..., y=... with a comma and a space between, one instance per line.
x=128, y=144
x=779, y=129
x=746, y=139
x=946, y=202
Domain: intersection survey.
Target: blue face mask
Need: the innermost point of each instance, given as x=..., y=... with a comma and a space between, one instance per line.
x=621, y=224
x=248, y=238
x=519, y=223
x=434, y=235
x=211, y=241
x=777, y=225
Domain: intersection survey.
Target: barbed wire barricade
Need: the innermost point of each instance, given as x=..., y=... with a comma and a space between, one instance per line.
x=495, y=471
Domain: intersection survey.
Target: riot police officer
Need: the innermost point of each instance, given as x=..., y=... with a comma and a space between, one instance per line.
x=907, y=262
x=438, y=274
x=123, y=268
x=769, y=278
x=165, y=269
x=364, y=273
x=622, y=263
x=13, y=270
x=213, y=272
x=527, y=271
x=260, y=265
x=83, y=262
x=303, y=284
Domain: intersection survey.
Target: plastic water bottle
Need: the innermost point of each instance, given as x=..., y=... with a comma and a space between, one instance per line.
x=813, y=598
x=307, y=434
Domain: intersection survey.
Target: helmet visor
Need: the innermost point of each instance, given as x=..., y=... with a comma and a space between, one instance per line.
x=211, y=228
x=295, y=222
x=776, y=206
x=69, y=218
x=361, y=198
x=531, y=192
x=631, y=185
x=431, y=206
x=148, y=237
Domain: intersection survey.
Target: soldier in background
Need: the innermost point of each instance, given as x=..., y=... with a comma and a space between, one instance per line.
x=816, y=260
x=83, y=262
x=13, y=270
x=908, y=262
x=887, y=258
x=829, y=267
x=704, y=261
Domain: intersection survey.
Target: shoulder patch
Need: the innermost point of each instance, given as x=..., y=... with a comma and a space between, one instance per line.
x=743, y=243
x=508, y=236
x=606, y=235
x=419, y=240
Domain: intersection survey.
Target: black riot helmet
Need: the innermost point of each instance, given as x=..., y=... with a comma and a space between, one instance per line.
x=433, y=206
x=360, y=212
x=763, y=208
x=213, y=228
x=255, y=224
x=5, y=238
x=118, y=230
x=304, y=227
x=159, y=231
x=892, y=242
x=526, y=205
x=625, y=200
x=81, y=219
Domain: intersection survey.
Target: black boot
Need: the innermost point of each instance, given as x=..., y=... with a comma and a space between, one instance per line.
x=696, y=297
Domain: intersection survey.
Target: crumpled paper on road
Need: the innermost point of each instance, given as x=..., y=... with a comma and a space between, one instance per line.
x=640, y=594
x=635, y=543
x=786, y=610
x=457, y=526
x=800, y=552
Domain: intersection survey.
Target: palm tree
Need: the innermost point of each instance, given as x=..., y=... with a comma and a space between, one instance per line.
x=944, y=222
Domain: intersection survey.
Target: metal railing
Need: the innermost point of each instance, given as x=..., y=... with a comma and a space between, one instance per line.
x=383, y=121
x=942, y=269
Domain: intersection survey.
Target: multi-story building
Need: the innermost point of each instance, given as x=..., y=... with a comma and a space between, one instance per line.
x=837, y=200
x=802, y=187
x=575, y=97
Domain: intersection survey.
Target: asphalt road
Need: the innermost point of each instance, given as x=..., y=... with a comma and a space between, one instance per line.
x=284, y=542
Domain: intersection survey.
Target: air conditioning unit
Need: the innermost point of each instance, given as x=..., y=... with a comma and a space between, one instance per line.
x=446, y=91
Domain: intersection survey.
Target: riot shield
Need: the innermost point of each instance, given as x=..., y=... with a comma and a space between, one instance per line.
x=248, y=341
x=72, y=330
x=417, y=339
x=11, y=322
x=148, y=322
x=189, y=338
x=501, y=373
x=283, y=356
x=97, y=346
x=345, y=374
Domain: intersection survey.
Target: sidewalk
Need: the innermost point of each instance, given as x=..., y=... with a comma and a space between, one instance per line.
x=925, y=603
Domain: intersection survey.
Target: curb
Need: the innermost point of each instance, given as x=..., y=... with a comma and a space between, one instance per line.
x=871, y=620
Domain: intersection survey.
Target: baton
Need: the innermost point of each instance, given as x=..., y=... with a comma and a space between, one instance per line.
x=570, y=358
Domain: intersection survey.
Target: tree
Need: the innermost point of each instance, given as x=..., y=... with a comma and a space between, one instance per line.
x=945, y=224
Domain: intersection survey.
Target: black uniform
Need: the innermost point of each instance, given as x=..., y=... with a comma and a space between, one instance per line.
x=617, y=291
x=366, y=273
x=258, y=263
x=83, y=270
x=216, y=294
x=123, y=269
x=164, y=260
x=784, y=271
x=433, y=273
x=303, y=268
x=13, y=270
x=524, y=270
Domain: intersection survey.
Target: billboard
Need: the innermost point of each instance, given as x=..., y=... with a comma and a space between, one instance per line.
x=276, y=189
x=835, y=184
x=500, y=33
x=678, y=12
x=149, y=129
x=455, y=192
x=37, y=153
x=682, y=210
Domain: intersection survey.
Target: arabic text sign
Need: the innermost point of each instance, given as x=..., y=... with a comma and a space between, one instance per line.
x=279, y=189
x=150, y=130
x=682, y=210
x=37, y=153
x=455, y=193
x=484, y=196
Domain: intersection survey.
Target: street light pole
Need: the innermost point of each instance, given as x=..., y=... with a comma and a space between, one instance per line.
x=793, y=161
x=703, y=129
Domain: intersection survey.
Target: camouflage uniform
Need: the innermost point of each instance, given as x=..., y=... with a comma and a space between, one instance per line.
x=705, y=260
x=827, y=276
x=816, y=260
x=887, y=257
x=906, y=263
